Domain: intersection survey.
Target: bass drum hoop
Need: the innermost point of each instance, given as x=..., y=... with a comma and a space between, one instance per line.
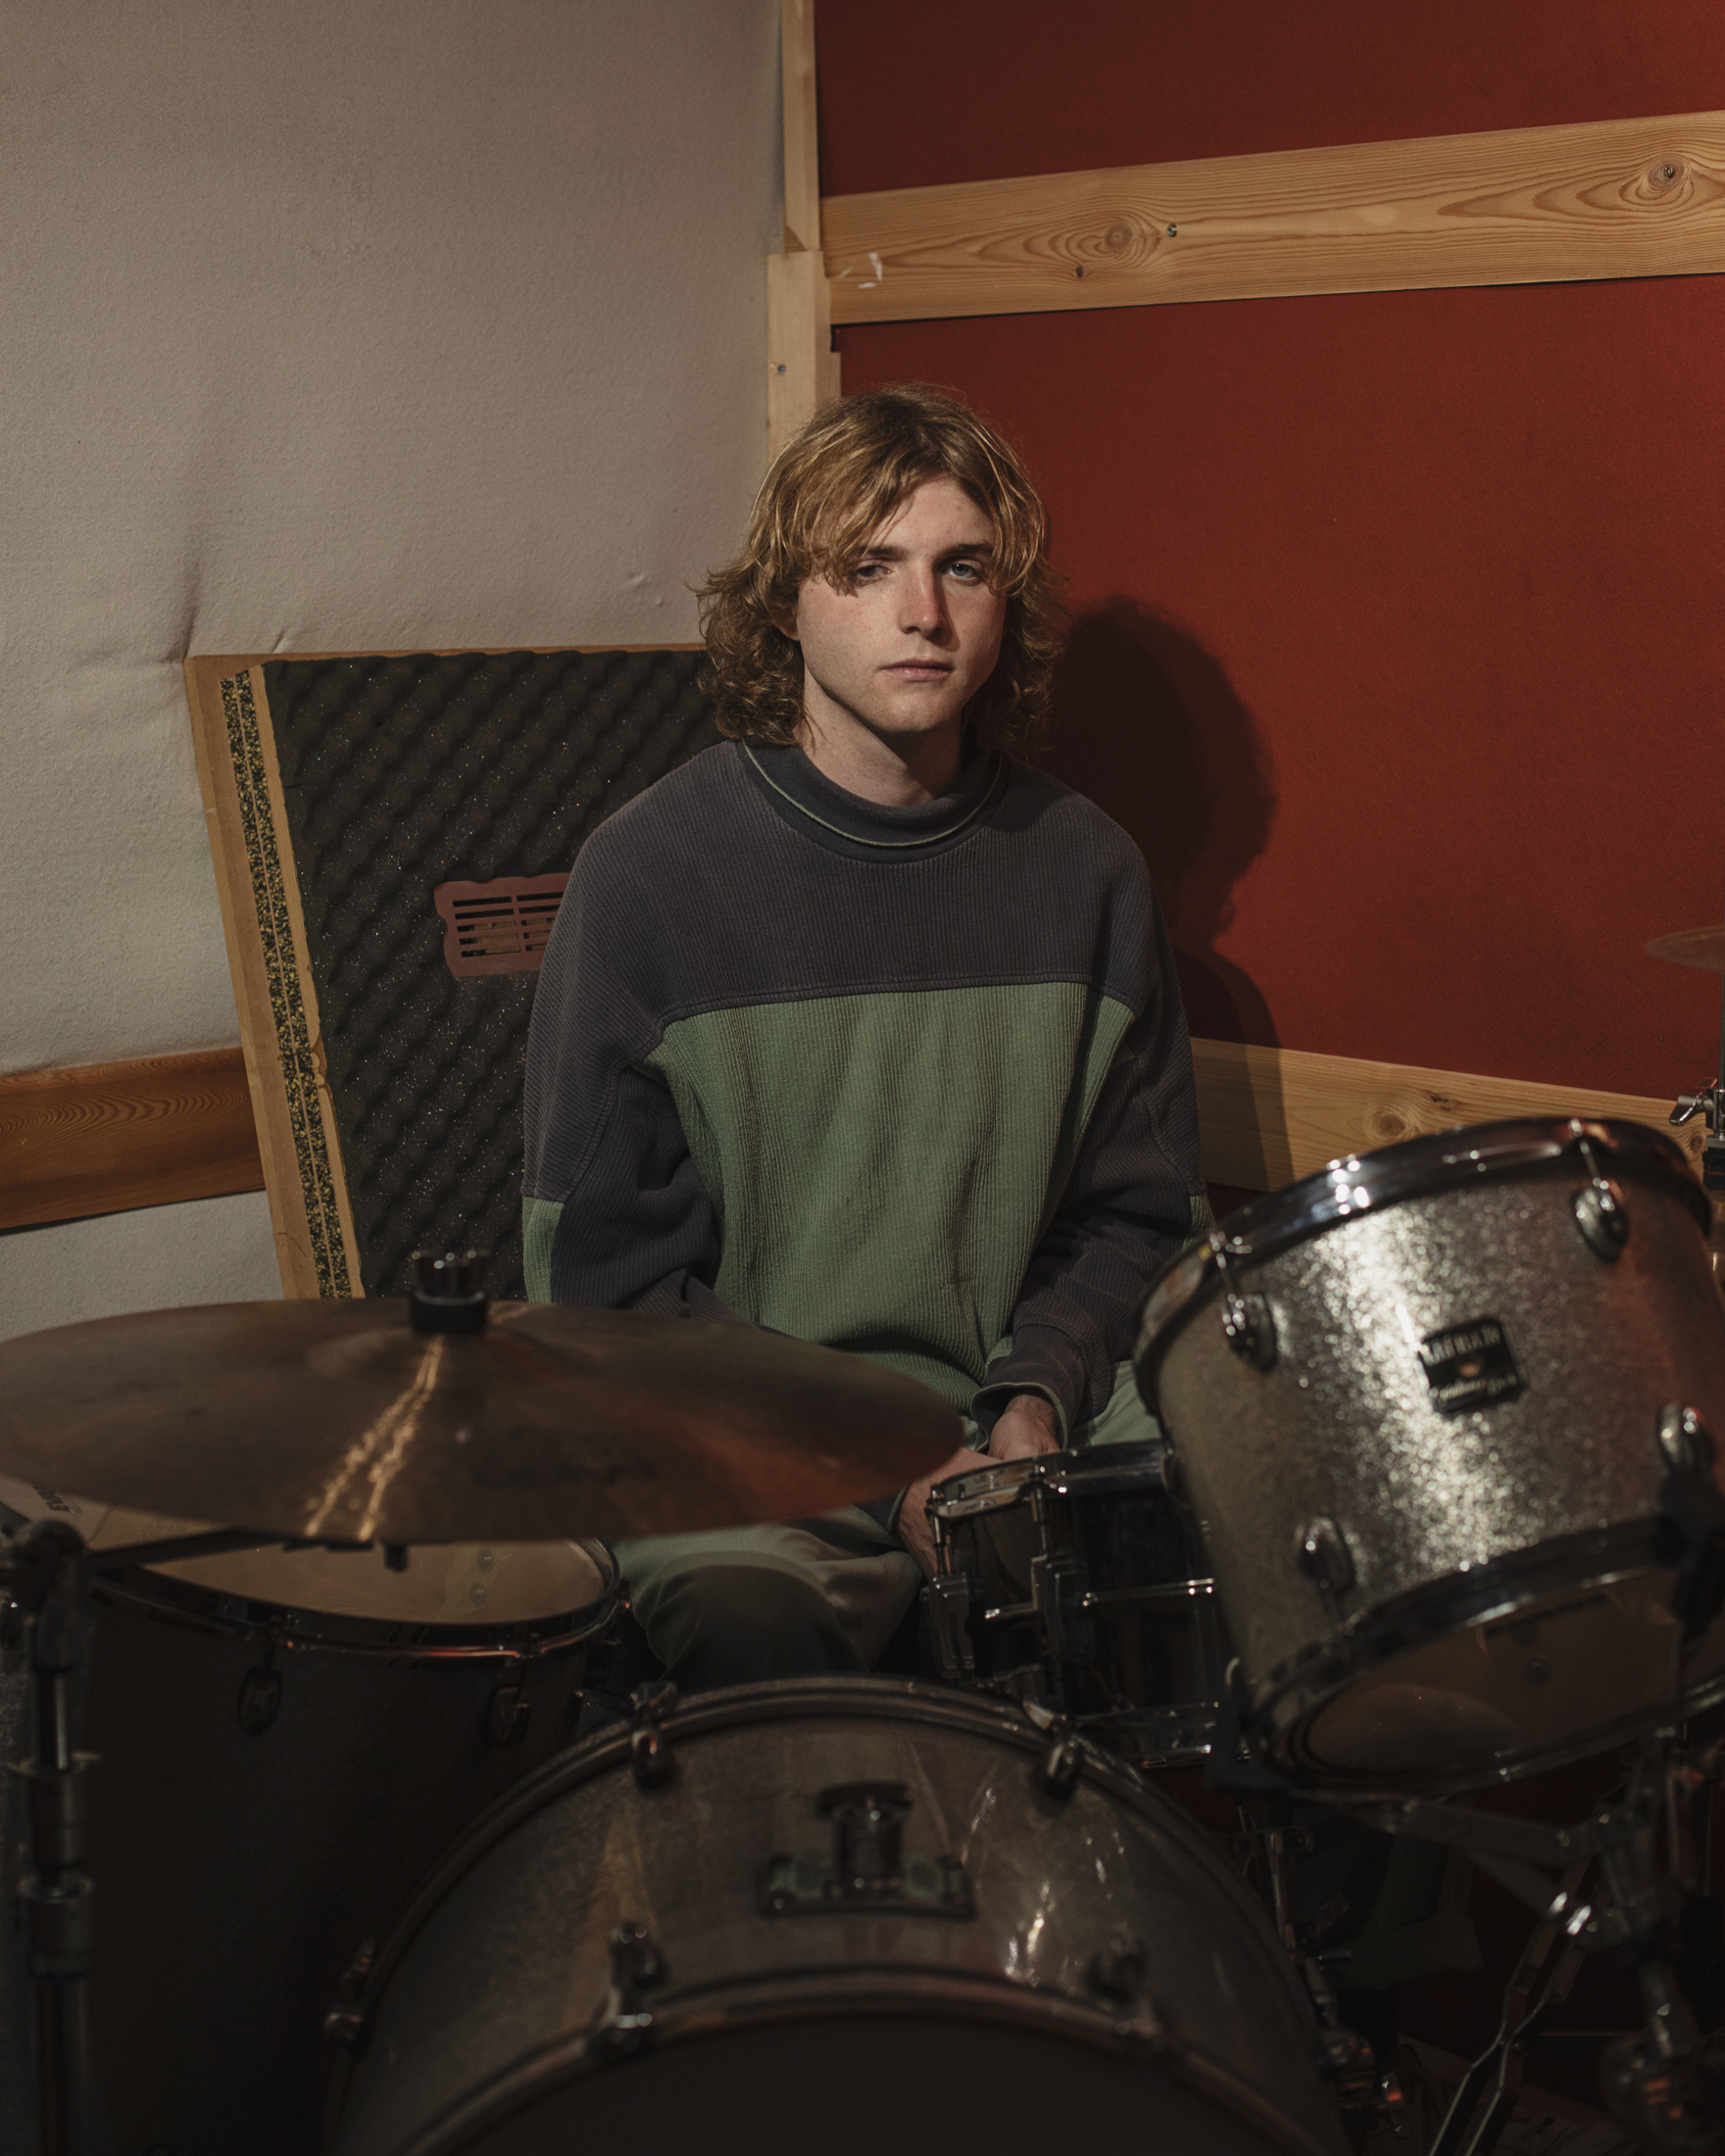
x=885, y=1991
x=693, y=2015
x=1417, y=1167
x=1295, y=1691
x=298, y=1630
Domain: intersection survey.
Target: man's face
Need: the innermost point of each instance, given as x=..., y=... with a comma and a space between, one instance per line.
x=905, y=649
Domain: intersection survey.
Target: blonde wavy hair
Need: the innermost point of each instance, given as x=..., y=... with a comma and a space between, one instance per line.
x=829, y=492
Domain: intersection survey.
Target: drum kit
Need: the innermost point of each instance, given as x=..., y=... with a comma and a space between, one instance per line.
x=396, y=1861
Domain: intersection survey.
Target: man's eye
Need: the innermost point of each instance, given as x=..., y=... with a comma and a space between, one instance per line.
x=968, y=572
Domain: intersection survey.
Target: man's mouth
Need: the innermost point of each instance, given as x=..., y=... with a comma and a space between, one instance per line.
x=919, y=669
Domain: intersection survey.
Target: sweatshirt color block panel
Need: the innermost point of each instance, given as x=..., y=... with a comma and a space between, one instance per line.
x=913, y=1083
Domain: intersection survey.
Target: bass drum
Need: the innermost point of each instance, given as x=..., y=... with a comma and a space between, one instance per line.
x=838, y=1914
x=287, y=1740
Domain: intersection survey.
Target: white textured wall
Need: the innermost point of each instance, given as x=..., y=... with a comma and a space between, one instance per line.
x=328, y=324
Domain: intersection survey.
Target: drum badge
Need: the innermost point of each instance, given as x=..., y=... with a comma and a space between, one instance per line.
x=1470, y=1365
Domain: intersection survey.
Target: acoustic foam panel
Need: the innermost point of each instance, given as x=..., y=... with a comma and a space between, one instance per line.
x=344, y=793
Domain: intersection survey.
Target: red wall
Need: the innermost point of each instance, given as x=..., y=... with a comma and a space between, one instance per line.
x=1399, y=636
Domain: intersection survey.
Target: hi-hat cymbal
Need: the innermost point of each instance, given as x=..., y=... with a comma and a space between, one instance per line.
x=1703, y=948
x=334, y=1419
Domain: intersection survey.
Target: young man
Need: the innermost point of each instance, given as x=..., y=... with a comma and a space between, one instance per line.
x=856, y=1028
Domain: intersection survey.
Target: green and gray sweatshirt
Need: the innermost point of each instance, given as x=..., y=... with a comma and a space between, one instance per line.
x=909, y=1082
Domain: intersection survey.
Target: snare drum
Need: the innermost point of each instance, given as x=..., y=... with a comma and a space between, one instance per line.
x=1077, y=1580
x=834, y=1914
x=1425, y=1401
x=288, y=1742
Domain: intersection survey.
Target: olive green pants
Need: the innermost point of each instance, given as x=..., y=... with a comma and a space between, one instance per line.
x=798, y=1597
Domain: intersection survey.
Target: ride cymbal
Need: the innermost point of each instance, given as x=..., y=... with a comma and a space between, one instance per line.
x=334, y=1419
x=1703, y=948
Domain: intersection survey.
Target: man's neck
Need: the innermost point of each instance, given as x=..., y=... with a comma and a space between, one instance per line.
x=900, y=772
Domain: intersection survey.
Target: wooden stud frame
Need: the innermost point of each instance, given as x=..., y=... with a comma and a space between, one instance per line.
x=801, y=367
x=1616, y=198
x=1269, y=1115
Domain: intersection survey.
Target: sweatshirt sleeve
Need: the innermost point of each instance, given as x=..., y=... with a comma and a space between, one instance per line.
x=614, y=1214
x=1134, y=1196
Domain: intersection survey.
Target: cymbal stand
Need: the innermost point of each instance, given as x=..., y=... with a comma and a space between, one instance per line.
x=1668, y=2081
x=1710, y=1101
x=47, y=1578
x=1526, y=2009
x=45, y=1572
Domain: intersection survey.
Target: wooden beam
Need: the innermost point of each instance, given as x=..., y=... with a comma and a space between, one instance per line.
x=1614, y=198
x=802, y=366
x=1268, y=1115
x=113, y=1136
x=796, y=46
x=108, y=1136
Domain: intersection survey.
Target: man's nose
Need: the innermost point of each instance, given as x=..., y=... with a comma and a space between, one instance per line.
x=924, y=605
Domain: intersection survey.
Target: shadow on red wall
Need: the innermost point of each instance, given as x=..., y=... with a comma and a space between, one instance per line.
x=1148, y=724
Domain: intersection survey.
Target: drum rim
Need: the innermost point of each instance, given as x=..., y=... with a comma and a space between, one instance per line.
x=706, y=2013
x=1080, y=1470
x=1415, y=1167
x=705, y=1713
x=1285, y=1701
x=169, y=1599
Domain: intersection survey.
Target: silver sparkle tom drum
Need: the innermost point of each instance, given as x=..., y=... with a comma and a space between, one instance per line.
x=288, y=1739
x=1077, y=1580
x=1426, y=1403
x=838, y=1915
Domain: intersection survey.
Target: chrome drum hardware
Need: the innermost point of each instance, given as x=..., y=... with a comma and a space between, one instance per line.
x=1462, y=1522
x=1076, y=1580
x=851, y=1911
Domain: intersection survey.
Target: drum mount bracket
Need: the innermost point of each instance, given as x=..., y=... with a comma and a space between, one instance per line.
x=866, y=1868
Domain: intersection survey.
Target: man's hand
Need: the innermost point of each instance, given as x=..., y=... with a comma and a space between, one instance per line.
x=914, y=1529
x=1027, y=1426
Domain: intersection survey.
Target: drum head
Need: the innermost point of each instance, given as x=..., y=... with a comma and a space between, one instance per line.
x=465, y=1583
x=847, y=2086
x=1558, y=1678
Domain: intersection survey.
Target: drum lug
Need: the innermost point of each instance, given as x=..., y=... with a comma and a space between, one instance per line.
x=1693, y=1510
x=1117, y=1970
x=260, y=1700
x=511, y=1712
x=1684, y=1438
x=1321, y=1552
x=1249, y=1329
x=345, y=2021
x=1602, y=1216
x=1062, y=1765
x=1116, y=1975
x=651, y=1760
x=1057, y=1593
x=947, y=1599
x=625, y=2024
x=1063, y=1761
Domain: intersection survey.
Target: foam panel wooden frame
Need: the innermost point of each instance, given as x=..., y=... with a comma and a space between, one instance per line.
x=317, y=1248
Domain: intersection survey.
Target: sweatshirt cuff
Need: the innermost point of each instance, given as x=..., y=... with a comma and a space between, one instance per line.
x=1043, y=1360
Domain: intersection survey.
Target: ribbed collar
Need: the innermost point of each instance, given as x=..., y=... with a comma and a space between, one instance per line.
x=845, y=824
